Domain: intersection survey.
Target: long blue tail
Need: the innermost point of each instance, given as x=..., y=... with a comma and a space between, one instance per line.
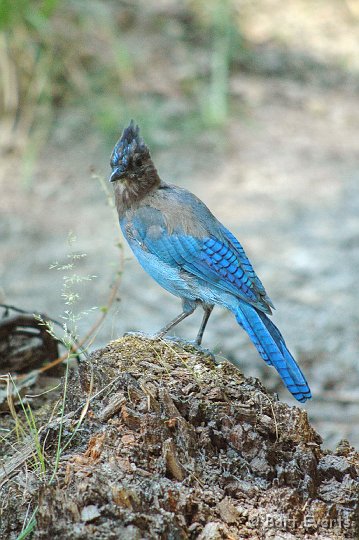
x=272, y=348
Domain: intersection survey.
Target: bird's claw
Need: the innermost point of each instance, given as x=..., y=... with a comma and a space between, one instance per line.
x=193, y=344
x=174, y=339
x=142, y=335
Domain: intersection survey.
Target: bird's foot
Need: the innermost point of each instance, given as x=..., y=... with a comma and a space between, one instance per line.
x=193, y=344
x=153, y=337
x=141, y=335
x=180, y=341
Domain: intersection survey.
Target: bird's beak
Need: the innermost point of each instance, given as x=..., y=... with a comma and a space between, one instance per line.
x=117, y=174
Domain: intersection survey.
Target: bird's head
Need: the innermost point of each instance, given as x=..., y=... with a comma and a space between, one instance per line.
x=131, y=157
x=133, y=172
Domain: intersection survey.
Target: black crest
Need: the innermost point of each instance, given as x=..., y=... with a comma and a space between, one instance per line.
x=129, y=147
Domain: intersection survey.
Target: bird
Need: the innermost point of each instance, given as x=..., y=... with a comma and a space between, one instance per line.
x=181, y=245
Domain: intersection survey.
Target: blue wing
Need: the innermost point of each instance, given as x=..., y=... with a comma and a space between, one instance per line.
x=218, y=258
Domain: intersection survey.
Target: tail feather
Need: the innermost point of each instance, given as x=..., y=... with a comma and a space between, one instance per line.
x=272, y=348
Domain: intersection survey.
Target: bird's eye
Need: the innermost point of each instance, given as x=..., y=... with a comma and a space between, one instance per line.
x=138, y=161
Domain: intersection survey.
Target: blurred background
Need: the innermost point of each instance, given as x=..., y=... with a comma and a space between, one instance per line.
x=250, y=104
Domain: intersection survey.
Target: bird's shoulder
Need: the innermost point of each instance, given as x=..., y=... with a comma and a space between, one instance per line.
x=175, y=209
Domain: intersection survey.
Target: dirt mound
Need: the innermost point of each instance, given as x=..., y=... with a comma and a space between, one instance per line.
x=175, y=446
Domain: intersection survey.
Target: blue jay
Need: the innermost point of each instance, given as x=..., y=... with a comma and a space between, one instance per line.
x=180, y=243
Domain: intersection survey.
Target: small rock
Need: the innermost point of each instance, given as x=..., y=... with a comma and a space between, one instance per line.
x=228, y=511
x=212, y=531
x=128, y=439
x=334, y=466
x=90, y=513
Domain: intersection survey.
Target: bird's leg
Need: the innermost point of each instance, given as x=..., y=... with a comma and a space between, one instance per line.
x=187, y=310
x=207, y=313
